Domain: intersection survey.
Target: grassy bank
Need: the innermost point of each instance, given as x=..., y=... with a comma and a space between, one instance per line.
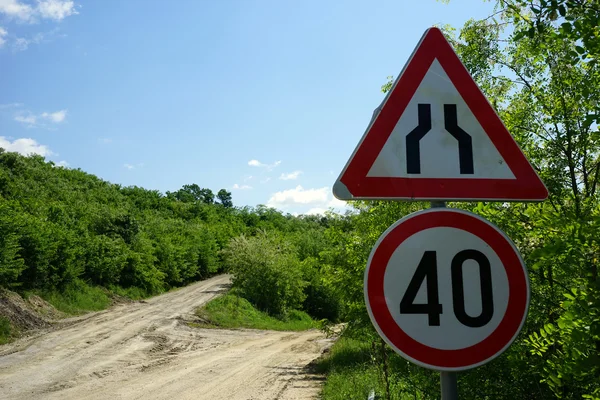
x=352, y=373
x=231, y=311
x=5, y=330
x=77, y=298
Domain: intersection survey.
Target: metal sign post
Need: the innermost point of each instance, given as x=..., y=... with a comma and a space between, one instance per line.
x=448, y=380
x=449, y=386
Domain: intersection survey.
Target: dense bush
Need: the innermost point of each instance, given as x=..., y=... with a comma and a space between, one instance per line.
x=266, y=271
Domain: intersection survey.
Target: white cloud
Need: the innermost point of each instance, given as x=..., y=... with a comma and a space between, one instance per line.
x=335, y=203
x=299, y=195
x=10, y=105
x=56, y=117
x=128, y=166
x=290, y=176
x=22, y=43
x=265, y=180
x=317, y=201
x=31, y=120
x=241, y=187
x=16, y=9
x=268, y=167
x=62, y=163
x=56, y=10
x=25, y=146
x=316, y=211
x=3, y=34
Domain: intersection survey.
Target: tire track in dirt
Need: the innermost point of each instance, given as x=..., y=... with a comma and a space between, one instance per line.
x=146, y=350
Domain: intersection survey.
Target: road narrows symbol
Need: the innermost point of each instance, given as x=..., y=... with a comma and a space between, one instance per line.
x=465, y=144
x=413, y=148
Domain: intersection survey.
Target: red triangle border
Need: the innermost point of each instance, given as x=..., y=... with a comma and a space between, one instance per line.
x=526, y=187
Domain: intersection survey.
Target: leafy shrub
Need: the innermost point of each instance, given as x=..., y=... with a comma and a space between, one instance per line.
x=231, y=311
x=266, y=272
x=321, y=301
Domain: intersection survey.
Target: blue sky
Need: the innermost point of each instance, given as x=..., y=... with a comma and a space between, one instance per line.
x=266, y=98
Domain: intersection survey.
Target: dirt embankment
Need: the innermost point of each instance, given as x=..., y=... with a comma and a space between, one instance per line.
x=146, y=350
x=27, y=315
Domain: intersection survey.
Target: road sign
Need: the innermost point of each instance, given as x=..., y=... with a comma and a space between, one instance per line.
x=446, y=289
x=436, y=137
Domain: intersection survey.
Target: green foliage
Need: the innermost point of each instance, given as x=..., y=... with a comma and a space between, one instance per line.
x=266, y=271
x=225, y=198
x=346, y=353
x=132, y=292
x=231, y=311
x=5, y=330
x=77, y=298
x=320, y=301
x=11, y=263
x=59, y=225
x=576, y=21
x=354, y=368
x=68, y=235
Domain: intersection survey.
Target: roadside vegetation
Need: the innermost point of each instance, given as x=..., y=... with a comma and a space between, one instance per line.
x=75, y=239
x=5, y=330
x=79, y=242
x=231, y=311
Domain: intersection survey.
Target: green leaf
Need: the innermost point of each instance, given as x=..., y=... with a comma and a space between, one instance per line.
x=561, y=324
x=561, y=10
x=569, y=296
x=566, y=27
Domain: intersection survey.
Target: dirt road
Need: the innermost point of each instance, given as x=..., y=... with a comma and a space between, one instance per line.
x=147, y=351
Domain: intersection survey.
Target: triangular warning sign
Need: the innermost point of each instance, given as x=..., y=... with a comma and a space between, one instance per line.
x=436, y=137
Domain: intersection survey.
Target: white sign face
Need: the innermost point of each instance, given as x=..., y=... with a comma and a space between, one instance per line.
x=450, y=333
x=438, y=101
x=446, y=289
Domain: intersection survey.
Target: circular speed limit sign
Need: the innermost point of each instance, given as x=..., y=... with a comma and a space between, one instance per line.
x=446, y=289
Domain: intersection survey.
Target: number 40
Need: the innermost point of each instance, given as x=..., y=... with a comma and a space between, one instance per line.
x=428, y=269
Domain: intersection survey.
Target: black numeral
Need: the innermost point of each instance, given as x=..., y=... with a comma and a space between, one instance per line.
x=458, y=290
x=427, y=270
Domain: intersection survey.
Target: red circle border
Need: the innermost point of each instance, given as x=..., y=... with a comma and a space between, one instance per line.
x=430, y=357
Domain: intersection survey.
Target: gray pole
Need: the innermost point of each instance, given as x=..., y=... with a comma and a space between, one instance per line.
x=449, y=386
x=438, y=204
x=448, y=380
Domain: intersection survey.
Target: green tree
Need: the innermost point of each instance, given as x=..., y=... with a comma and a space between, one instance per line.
x=224, y=197
x=11, y=263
